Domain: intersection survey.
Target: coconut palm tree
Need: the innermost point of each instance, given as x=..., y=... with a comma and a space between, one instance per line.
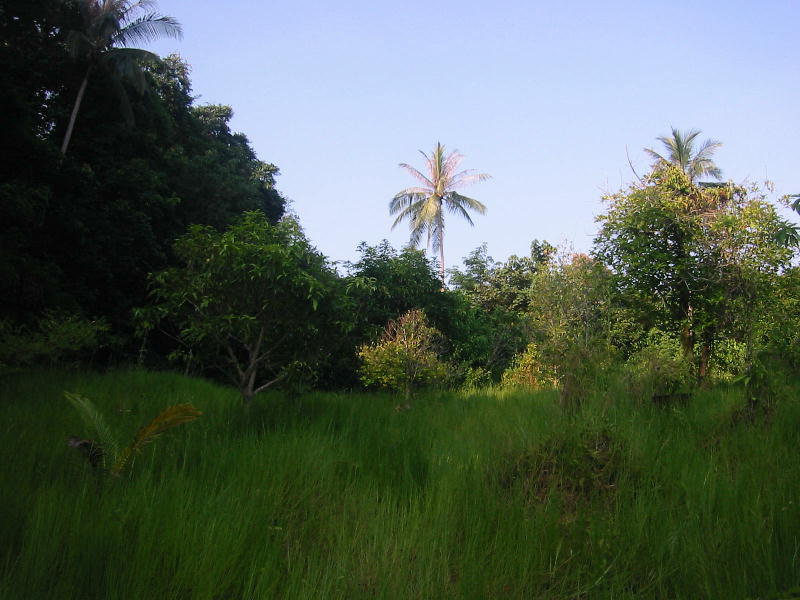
x=680, y=151
x=424, y=205
x=108, y=27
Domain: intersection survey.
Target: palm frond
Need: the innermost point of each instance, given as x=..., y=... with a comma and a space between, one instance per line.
x=687, y=137
x=131, y=56
x=460, y=210
x=418, y=175
x=708, y=148
x=93, y=419
x=409, y=212
x=436, y=233
x=170, y=417
x=414, y=192
x=403, y=200
x=418, y=229
x=454, y=198
x=467, y=177
x=126, y=63
x=681, y=152
x=140, y=5
x=451, y=163
x=145, y=29
x=704, y=159
x=656, y=156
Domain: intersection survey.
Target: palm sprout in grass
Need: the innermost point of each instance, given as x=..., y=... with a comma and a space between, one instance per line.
x=339, y=496
x=170, y=417
x=95, y=421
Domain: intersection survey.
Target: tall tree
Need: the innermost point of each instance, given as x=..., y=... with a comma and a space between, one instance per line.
x=424, y=205
x=696, y=261
x=681, y=153
x=107, y=28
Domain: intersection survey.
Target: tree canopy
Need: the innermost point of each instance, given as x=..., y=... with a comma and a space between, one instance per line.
x=689, y=258
x=107, y=28
x=244, y=299
x=81, y=232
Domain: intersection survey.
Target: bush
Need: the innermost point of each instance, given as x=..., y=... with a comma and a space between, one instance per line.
x=527, y=370
x=58, y=338
x=728, y=360
x=476, y=377
x=659, y=368
x=405, y=356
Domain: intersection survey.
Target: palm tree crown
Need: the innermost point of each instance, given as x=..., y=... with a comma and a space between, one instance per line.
x=108, y=28
x=680, y=152
x=423, y=205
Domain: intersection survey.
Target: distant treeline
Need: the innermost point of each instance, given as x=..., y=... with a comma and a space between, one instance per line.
x=158, y=236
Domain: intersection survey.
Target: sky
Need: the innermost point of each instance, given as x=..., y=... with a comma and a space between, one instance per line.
x=550, y=98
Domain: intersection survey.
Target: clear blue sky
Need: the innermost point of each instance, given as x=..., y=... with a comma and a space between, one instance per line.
x=544, y=96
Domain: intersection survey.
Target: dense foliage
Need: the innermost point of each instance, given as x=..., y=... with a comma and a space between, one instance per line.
x=701, y=262
x=495, y=494
x=137, y=227
x=80, y=233
x=244, y=301
x=406, y=355
x=678, y=262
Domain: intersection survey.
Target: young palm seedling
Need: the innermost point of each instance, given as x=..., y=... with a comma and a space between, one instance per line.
x=105, y=455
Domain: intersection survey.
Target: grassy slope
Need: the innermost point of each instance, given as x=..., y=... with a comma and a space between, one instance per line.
x=340, y=496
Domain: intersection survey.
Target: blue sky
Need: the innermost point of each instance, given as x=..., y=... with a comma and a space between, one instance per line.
x=545, y=97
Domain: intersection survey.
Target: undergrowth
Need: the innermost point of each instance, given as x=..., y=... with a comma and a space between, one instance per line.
x=488, y=494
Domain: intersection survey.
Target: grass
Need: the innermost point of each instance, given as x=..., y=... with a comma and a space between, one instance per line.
x=484, y=495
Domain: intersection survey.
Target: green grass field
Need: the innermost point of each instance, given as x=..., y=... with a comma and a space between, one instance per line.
x=489, y=495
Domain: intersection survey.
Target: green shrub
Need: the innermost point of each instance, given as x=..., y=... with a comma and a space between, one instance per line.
x=658, y=367
x=476, y=377
x=58, y=338
x=527, y=370
x=407, y=355
x=728, y=360
x=578, y=467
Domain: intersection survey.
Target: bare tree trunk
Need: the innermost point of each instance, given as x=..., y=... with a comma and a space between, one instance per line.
x=247, y=399
x=705, y=354
x=688, y=334
x=707, y=340
x=687, y=341
x=75, y=110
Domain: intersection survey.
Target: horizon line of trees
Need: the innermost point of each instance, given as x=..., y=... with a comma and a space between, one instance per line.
x=159, y=237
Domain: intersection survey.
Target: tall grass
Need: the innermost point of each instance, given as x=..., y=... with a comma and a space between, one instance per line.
x=484, y=495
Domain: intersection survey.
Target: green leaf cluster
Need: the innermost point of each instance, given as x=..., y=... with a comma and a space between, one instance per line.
x=246, y=299
x=406, y=355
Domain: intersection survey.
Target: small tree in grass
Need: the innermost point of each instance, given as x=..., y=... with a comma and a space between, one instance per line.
x=246, y=300
x=406, y=355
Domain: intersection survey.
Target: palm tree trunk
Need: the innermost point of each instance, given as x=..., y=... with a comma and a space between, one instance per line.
x=441, y=251
x=75, y=110
x=441, y=262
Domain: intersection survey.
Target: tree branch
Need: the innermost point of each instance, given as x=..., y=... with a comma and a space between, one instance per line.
x=269, y=383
